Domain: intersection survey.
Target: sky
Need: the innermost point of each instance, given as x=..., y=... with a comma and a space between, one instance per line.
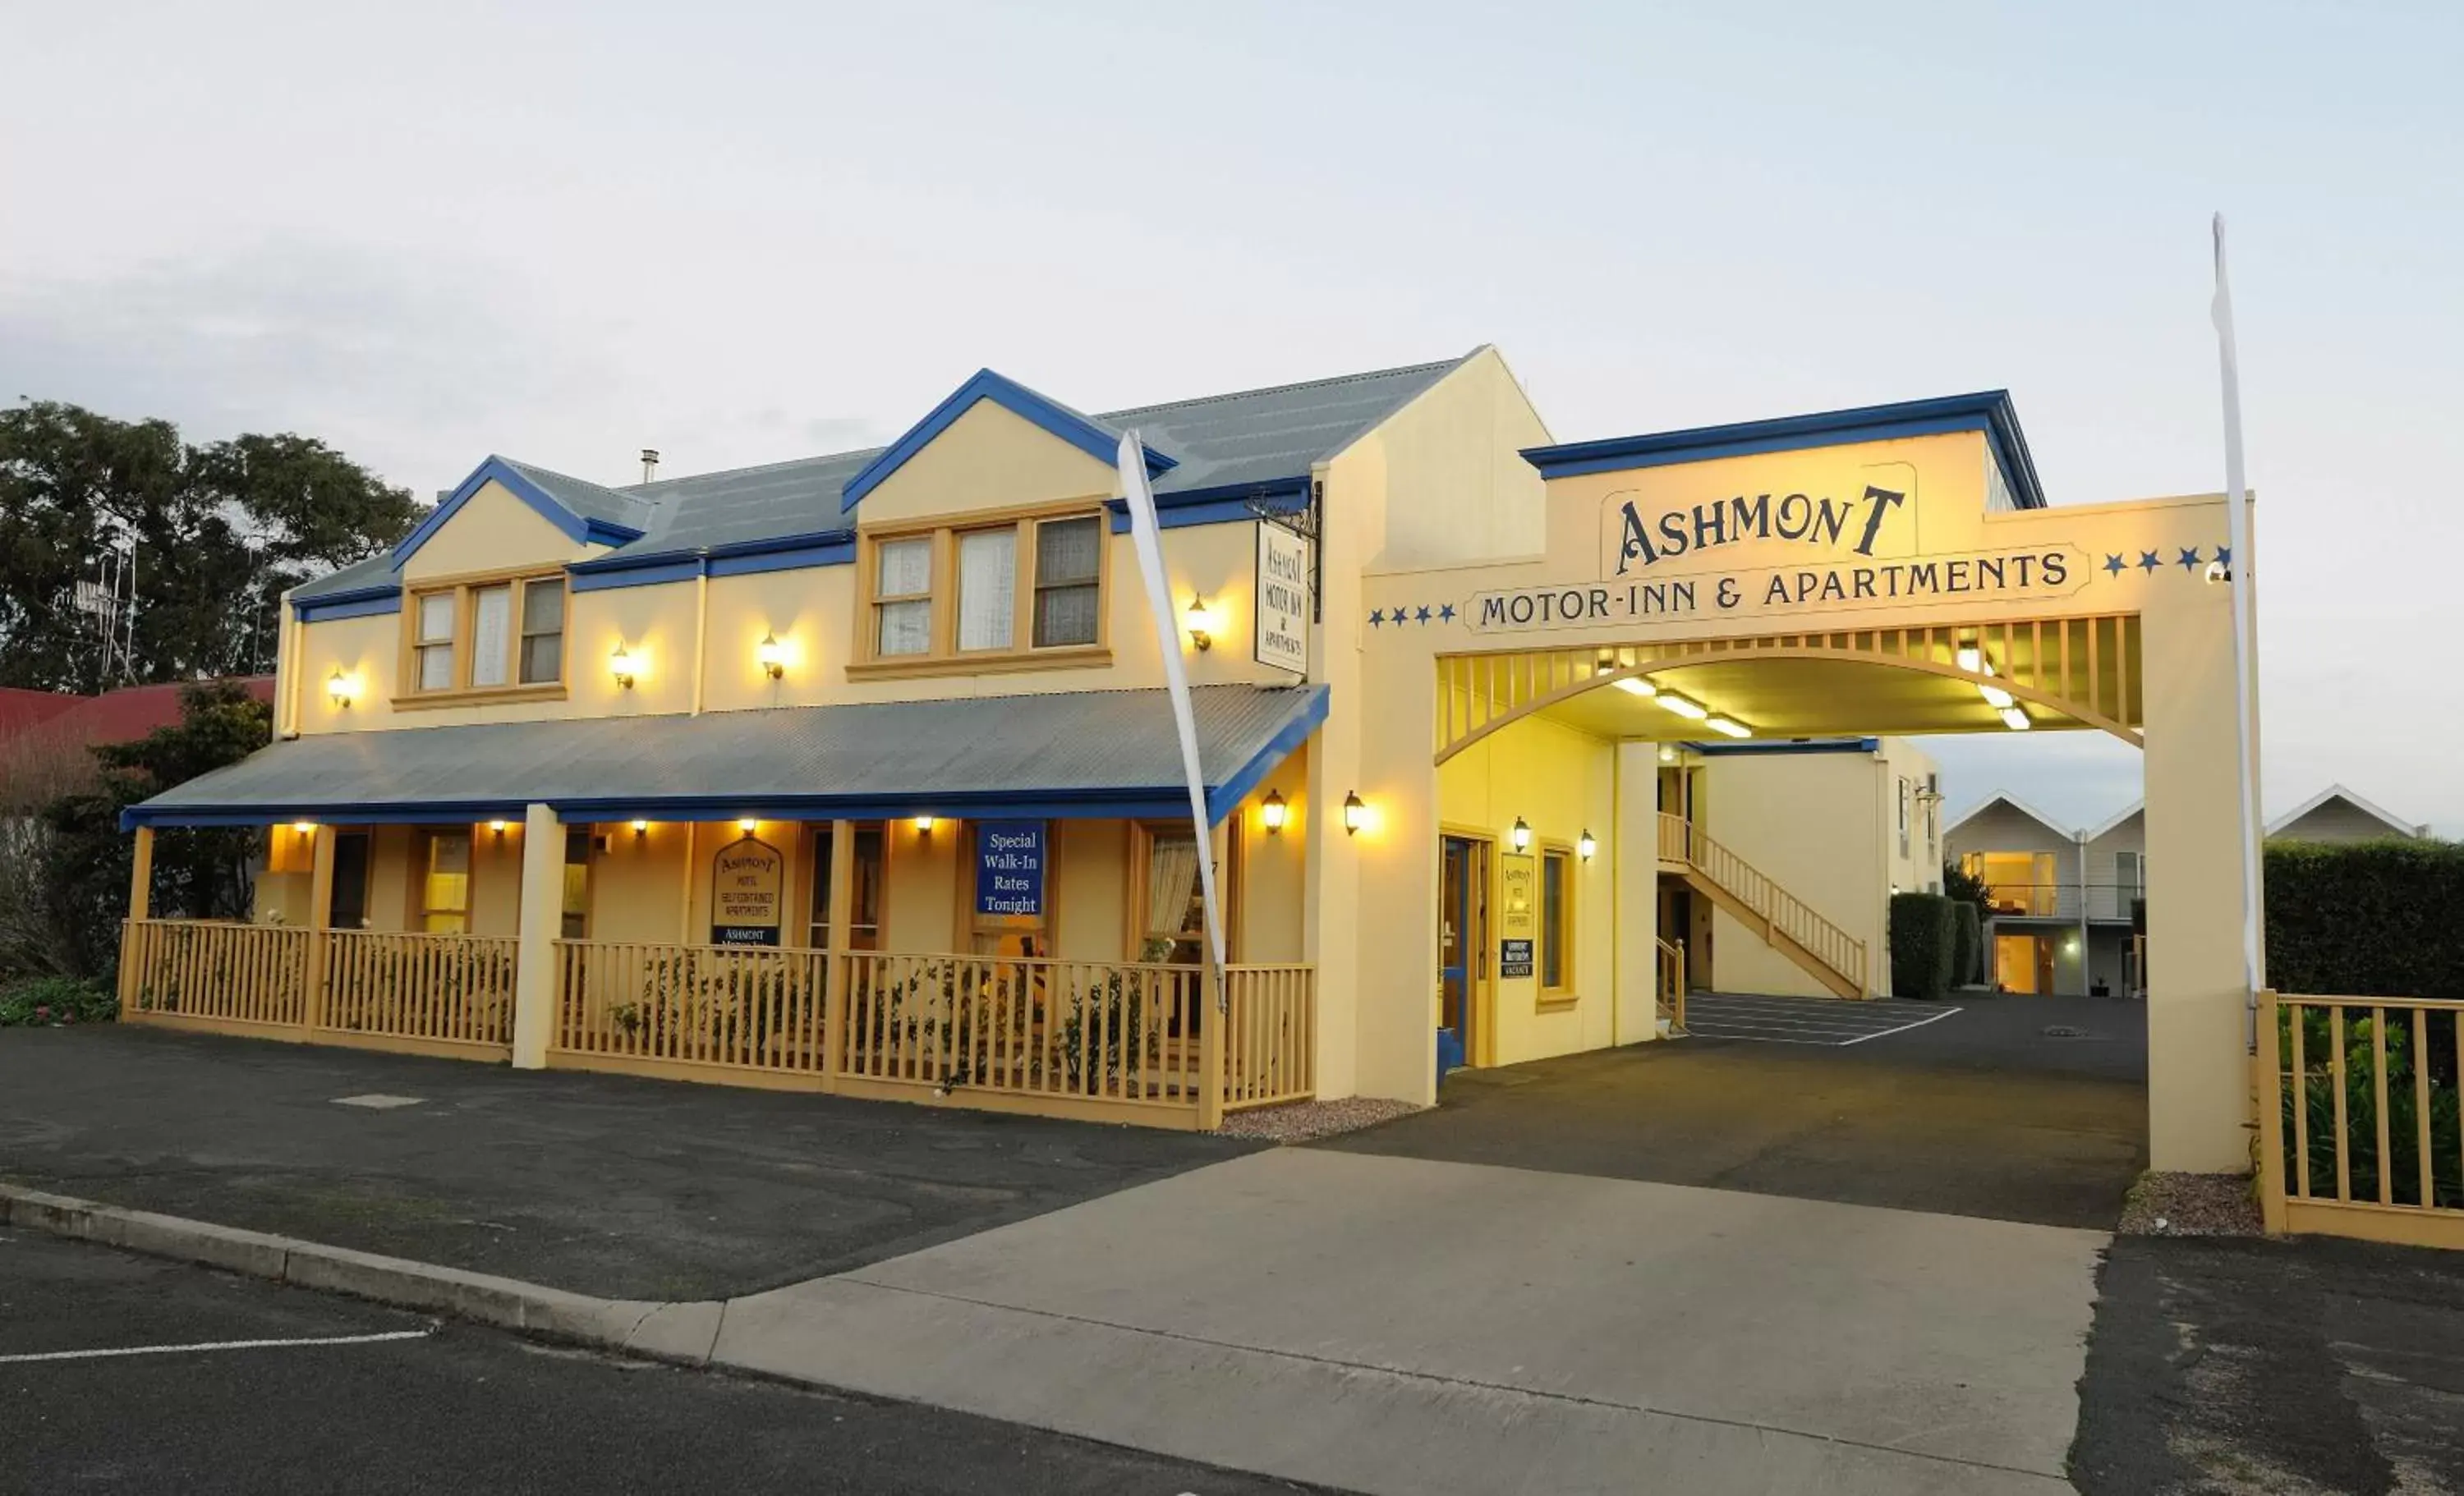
x=746, y=232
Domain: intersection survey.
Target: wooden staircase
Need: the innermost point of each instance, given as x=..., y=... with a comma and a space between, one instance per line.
x=1787, y=923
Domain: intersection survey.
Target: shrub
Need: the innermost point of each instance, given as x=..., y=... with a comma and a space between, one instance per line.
x=1967, y=945
x=2406, y=1093
x=2365, y=918
x=1924, y=944
x=56, y=999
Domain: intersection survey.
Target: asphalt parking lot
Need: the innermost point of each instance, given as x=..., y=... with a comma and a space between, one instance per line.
x=126, y=1373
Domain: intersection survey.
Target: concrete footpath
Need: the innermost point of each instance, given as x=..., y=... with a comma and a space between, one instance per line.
x=1400, y=1326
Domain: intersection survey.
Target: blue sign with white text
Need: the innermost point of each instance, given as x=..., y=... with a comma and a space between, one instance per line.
x=1009, y=868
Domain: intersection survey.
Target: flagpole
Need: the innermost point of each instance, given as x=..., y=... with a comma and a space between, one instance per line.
x=2237, y=577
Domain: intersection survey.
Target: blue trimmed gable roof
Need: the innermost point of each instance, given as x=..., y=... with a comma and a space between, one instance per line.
x=582, y=511
x=1989, y=411
x=1098, y=441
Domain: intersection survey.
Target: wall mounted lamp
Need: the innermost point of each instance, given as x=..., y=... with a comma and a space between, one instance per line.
x=1272, y=812
x=305, y=828
x=499, y=828
x=641, y=829
x=1201, y=624
x=1520, y=838
x=1668, y=753
x=924, y=826
x=1585, y=844
x=1356, y=813
x=343, y=687
x=772, y=655
x=621, y=665
x=748, y=825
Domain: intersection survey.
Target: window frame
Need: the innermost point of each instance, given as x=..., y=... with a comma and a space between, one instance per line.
x=824, y=870
x=423, y=857
x=942, y=655
x=1560, y=930
x=464, y=590
x=1228, y=886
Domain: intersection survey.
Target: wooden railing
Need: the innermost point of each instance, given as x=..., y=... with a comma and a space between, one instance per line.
x=2358, y=1117
x=1780, y=911
x=213, y=973
x=745, y=1008
x=1671, y=998
x=1269, y=1036
x=447, y=989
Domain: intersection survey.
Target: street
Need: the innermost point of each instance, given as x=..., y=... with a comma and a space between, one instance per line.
x=445, y=1407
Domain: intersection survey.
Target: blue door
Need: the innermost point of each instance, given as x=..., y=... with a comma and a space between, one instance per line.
x=1462, y=944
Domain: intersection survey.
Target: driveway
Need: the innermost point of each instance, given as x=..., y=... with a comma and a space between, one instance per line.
x=602, y=1184
x=2015, y=1109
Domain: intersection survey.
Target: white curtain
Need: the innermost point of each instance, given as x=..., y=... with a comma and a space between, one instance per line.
x=437, y=640
x=905, y=567
x=1172, y=876
x=490, y=635
x=987, y=589
x=1067, y=558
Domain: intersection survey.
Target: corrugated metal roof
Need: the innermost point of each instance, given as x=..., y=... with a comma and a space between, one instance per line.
x=591, y=500
x=377, y=571
x=1088, y=749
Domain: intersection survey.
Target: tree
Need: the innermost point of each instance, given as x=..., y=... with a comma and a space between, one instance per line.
x=1958, y=883
x=217, y=534
x=199, y=873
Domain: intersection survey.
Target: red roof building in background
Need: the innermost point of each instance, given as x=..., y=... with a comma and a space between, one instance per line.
x=115, y=716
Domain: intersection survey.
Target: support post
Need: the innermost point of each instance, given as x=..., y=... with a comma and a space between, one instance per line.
x=1634, y=854
x=140, y=876
x=542, y=920
x=2269, y=1088
x=838, y=967
x=320, y=912
x=1210, y=1050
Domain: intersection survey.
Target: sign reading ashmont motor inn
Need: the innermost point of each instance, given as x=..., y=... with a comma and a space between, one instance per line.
x=1859, y=544
x=745, y=882
x=1282, y=607
x=1009, y=868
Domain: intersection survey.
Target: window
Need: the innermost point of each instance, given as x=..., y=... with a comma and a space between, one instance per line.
x=348, y=907
x=1557, y=920
x=576, y=883
x=487, y=635
x=1011, y=591
x=864, y=912
x=445, y=882
x=1171, y=899
x=1906, y=790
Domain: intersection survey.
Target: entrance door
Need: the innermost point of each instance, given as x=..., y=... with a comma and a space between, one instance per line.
x=1462, y=944
x=346, y=908
x=2015, y=963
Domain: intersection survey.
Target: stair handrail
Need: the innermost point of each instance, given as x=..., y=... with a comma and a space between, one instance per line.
x=1682, y=841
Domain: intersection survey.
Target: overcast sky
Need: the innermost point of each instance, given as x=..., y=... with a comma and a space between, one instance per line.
x=744, y=233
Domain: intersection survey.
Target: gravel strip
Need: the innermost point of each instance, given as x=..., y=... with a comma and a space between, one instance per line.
x=2192, y=1205
x=1305, y=1121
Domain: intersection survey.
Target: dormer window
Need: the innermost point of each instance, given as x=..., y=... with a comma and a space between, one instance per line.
x=956, y=597
x=493, y=637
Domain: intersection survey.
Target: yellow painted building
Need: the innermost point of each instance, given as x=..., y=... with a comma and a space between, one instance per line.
x=858, y=774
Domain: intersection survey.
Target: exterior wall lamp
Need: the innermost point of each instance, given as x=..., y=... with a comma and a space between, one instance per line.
x=772, y=655
x=1520, y=838
x=499, y=828
x=342, y=688
x=748, y=825
x=305, y=828
x=1272, y=812
x=1356, y=813
x=1201, y=624
x=924, y=826
x=621, y=665
x=1586, y=845
x=641, y=829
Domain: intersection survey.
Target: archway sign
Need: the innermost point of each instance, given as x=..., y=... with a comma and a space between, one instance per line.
x=1884, y=571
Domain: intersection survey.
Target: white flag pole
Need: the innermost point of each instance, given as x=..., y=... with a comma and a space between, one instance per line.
x=2239, y=577
x=1147, y=537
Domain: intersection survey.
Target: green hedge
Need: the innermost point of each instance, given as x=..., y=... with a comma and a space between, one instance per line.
x=1968, y=948
x=1925, y=942
x=2316, y=1094
x=2365, y=918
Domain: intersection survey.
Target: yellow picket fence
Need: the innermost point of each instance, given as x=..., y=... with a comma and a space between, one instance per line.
x=2360, y=1132
x=704, y=1012
x=215, y=975
x=434, y=994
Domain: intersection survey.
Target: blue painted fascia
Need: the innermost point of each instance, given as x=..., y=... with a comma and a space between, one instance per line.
x=1823, y=745
x=358, y=603
x=783, y=553
x=1228, y=504
x=431, y=812
x=1989, y=411
x=1225, y=797
x=649, y=572
x=573, y=526
x=1010, y=395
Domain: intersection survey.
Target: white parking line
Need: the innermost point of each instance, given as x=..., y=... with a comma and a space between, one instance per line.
x=1760, y=1026
x=217, y=1345
x=1904, y=1027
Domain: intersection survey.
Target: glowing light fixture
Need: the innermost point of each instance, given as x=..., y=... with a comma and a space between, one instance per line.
x=1668, y=754
x=748, y=825
x=305, y=828
x=1585, y=844
x=923, y=826
x=1520, y=835
x=1728, y=726
x=771, y=655
x=1201, y=624
x=498, y=826
x=1972, y=660
x=1356, y=813
x=1272, y=811
x=342, y=688
x=621, y=665
x=641, y=829
x=2015, y=719
x=1684, y=706
x=1636, y=685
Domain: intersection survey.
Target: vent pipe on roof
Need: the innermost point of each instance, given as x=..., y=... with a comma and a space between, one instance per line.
x=650, y=464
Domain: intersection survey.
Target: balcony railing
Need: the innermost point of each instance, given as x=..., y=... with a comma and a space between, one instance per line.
x=2096, y=902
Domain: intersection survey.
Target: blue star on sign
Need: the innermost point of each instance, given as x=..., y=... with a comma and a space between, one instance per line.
x=2148, y=561
x=1377, y=616
x=2189, y=558
x=2224, y=554
x=2113, y=565
x=1446, y=613
x=1422, y=615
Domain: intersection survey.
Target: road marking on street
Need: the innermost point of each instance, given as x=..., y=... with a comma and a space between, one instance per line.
x=217, y=1345
x=1813, y=1022
x=378, y=1101
x=1904, y=1027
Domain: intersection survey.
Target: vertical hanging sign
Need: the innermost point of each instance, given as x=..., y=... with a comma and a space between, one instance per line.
x=1009, y=868
x=745, y=893
x=1282, y=600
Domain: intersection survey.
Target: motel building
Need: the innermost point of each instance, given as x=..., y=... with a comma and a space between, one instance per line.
x=857, y=773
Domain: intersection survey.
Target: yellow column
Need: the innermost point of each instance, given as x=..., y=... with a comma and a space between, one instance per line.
x=542, y=920
x=320, y=910
x=838, y=968
x=141, y=907
x=1634, y=857
x=140, y=876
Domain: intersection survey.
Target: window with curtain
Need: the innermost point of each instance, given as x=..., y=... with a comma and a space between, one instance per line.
x=1557, y=920
x=1175, y=907
x=487, y=635
x=491, y=620
x=1068, y=561
x=575, y=924
x=542, y=631
x=445, y=883
x=434, y=641
x=902, y=591
x=987, y=589
x=864, y=905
